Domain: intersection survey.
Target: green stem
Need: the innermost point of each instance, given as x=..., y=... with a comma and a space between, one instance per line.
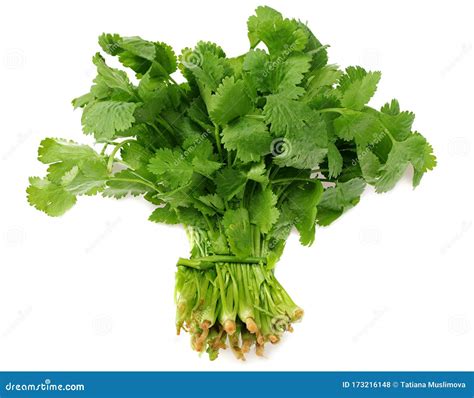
x=132, y=180
x=218, y=142
x=102, y=152
x=167, y=127
x=285, y=180
x=341, y=111
x=206, y=262
x=110, y=162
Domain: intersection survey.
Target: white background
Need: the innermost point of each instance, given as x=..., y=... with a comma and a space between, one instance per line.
x=387, y=287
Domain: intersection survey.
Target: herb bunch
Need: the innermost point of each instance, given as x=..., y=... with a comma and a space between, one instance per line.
x=243, y=151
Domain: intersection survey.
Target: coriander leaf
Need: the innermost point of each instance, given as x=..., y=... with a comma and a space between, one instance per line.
x=362, y=127
x=336, y=200
x=172, y=167
x=263, y=211
x=76, y=168
x=164, y=214
x=205, y=167
x=279, y=35
x=321, y=78
x=191, y=217
x=230, y=182
x=369, y=164
x=258, y=173
x=104, y=119
x=414, y=150
x=256, y=71
x=49, y=197
x=237, y=229
x=125, y=183
x=397, y=123
x=287, y=75
x=305, y=147
x=285, y=114
x=213, y=201
x=302, y=200
x=335, y=160
x=248, y=137
x=229, y=102
x=53, y=150
x=112, y=78
x=140, y=55
x=422, y=161
x=135, y=155
x=357, y=87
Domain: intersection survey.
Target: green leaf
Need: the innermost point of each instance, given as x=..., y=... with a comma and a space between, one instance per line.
x=279, y=35
x=237, y=229
x=303, y=148
x=285, y=114
x=135, y=155
x=397, y=123
x=48, y=197
x=369, y=165
x=422, y=161
x=171, y=167
x=207, y=64
x=73, y=168
x=414, y=150
x=164, y=214
x=302, y=200
x=230, y=182
x=104, y=119
x=263, y=211
x=357, y=87
x=141, y=55
x=258, y=173
x=248, y=137
x=213, y=201
x=287, y=75
x=53, y=150
x=321, y=78
x=199, y=151
x=256, y=70
x=362, y=127
x=112, y=78
x=335, y=160
x=205, y=167
x=125, y=183
x=336, y=200
x=230, y=101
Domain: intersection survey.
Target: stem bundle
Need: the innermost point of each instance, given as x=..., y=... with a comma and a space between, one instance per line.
x=239, y=302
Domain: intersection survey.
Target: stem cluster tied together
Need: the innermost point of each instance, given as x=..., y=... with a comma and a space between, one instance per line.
x=239, y=302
